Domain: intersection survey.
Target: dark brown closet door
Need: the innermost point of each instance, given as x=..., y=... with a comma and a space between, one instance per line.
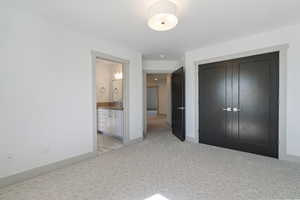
x=247, y=90
x=256, y=104
x=213, y=103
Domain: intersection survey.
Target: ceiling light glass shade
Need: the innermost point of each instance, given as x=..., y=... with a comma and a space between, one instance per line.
x=162, y=15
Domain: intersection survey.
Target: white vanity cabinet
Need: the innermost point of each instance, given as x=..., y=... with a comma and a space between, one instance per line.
x=102, y=116
x=119, y=124
x=110, y=122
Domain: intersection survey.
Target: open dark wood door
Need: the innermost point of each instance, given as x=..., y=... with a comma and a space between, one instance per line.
x=178, y=103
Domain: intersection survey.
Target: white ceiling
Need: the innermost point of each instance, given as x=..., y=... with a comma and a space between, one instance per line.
x=201, y=22
x=155, y=79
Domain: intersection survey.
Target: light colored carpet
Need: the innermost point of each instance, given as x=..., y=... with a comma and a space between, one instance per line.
x=108, y=143
x=163, y=166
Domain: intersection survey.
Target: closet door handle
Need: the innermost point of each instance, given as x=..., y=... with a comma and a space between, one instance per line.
x=236, y=110
x=227, y=109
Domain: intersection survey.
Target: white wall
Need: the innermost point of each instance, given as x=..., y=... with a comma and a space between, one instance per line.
x=152, y=98
x=46, y=91
x=106, y=83
x=169, y=99
x=117, y=84
x=287, y=35
x=163, y=99
x=103, y=81
x=160, y=66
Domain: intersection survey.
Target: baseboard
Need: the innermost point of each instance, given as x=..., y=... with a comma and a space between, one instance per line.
x=134, y=141
x=286, y=157
x=290, y=158
x=22, y=176
x=191, y=140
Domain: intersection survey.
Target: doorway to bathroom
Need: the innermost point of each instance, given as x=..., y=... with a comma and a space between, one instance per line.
x=110, y=103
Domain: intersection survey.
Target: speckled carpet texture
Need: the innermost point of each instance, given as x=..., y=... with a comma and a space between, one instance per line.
x=163, y=168
x=107, y=143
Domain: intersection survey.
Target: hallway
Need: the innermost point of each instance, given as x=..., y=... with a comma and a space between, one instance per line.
x=157, y=125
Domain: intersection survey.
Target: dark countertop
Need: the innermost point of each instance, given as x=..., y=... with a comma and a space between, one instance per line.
x=110, y=105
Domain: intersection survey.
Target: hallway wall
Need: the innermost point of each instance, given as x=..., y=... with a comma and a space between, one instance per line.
x=169, y=99
x=163, y=99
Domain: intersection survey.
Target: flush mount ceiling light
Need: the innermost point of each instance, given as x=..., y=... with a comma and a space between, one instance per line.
x=162, y=15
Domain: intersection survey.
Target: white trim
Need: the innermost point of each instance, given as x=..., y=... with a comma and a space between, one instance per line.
x=145, y=104
x=282, y=130
x=160, y=71
x=22, y=176
x=98, y=55
x=191, y=140
x=292, y=158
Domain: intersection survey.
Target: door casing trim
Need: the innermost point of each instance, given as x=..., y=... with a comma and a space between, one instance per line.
x=98, y=55
x=282, y=128
x=31, y=173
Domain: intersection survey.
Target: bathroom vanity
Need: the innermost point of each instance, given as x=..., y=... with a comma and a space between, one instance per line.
x=110, y=120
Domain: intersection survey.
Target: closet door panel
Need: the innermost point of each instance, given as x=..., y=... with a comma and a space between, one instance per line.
x=254, y=100
x=212, y=90
x=258, y=104
x=235, y=101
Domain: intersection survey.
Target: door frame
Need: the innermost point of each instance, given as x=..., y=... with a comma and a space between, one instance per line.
x=282, y=49
x=125, y=68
